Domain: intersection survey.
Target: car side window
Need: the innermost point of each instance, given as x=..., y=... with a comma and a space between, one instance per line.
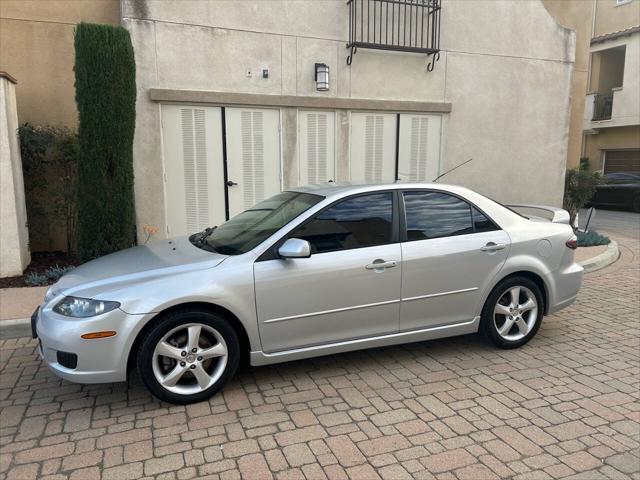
x=481, y=223
x=357, y=222
x=437, y=214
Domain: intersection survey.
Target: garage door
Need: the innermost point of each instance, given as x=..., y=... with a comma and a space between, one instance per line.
x=622, y=161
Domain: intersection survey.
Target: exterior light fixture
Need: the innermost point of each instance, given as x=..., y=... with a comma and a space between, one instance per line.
x=322, y=77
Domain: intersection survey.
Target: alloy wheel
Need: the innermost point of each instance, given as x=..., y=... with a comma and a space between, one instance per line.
x=515, y=313
x=190, y=358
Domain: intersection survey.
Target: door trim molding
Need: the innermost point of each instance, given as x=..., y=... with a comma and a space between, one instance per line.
x=461, y=328
x=228, y=98
x=334, y=310
x=431, y=295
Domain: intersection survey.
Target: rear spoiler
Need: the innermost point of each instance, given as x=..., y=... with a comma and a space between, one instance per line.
x=553, y=214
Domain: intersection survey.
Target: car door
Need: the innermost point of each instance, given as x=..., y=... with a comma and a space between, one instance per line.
x=348, y=288
x=450, y=253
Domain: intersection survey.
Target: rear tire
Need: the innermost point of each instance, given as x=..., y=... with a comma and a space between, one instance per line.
x=512, y=313
x=635, y=204
x=188, y=356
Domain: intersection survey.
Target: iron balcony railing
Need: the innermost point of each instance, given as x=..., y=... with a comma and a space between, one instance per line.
x=400, y=25
x=602, y=106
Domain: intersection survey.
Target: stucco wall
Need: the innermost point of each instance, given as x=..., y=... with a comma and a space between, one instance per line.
x=578, y=16
x=36, y=46
x=612, y=17
x=14, y=236
x=505, y=68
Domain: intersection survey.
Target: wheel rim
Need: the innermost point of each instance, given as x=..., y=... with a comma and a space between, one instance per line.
x=190, y=358
x=515, y=313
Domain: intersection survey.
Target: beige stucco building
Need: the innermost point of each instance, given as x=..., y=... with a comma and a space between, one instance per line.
x=229, y=110
x=36, y=47
x=605, y=93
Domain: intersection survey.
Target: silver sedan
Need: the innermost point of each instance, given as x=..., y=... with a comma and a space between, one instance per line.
x=311, y=271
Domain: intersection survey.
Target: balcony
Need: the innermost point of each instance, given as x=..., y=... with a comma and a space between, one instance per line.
x=398, y=25
x=602, y=106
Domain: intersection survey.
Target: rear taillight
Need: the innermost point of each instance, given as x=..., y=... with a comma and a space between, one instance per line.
x=572, y=243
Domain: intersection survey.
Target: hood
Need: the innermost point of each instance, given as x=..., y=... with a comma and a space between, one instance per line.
x=160, y=258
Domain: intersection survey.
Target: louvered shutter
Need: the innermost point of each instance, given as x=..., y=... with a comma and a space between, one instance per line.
x=419, y=147
x=253, y=156
x=372, y=147
x=192, y=142
x=316, y=140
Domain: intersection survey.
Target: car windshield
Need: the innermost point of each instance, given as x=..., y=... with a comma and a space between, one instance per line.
x=251, y=227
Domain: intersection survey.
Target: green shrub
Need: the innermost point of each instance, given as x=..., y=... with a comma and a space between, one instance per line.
x=579, y=187
x=105, y=94
x=35, y=279
x=49, y=161
x=57, y=271
x=591, y=239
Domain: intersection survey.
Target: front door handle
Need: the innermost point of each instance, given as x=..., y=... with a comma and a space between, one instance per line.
x=380, y=265
x=493, y=247
x=231, y=183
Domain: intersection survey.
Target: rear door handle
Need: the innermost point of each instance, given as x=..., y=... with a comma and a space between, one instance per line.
x=381, y=265
x=493, y=247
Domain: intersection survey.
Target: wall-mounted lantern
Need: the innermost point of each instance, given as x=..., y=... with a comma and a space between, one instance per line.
x=322, y=77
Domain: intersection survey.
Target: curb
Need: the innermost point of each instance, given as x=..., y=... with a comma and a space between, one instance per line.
x=20, y=327
x=605, y=259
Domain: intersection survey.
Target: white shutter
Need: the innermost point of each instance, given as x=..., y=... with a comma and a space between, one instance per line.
x=316, y=134
x=419, y=147
x=192, y=141
x=372, y=147
x=253, y=156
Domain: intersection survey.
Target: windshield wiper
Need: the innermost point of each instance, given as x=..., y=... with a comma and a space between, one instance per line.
x=198, y=239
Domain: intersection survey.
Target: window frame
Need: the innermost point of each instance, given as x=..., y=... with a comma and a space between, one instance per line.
x=404, y=238
x=271, y=253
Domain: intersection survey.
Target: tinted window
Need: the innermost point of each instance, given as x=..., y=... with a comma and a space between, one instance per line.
x=362, y=221
x=481, y=223
x=433, y=215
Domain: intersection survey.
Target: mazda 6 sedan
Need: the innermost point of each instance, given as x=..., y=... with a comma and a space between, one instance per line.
x=311, y=271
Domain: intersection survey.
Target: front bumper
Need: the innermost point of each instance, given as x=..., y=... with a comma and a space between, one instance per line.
x=99, y=360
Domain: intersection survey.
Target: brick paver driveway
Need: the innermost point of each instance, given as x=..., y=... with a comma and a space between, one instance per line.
x=568, y=403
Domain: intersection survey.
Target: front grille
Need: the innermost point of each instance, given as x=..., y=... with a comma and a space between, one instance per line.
x=68, y=360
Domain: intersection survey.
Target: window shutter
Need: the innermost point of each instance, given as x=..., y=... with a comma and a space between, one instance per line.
x=372, y=147
x=252, y=131
x=419, y=147
x=193, y=165
x=317, y=142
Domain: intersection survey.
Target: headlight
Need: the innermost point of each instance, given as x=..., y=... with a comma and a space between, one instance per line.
x=83, y=307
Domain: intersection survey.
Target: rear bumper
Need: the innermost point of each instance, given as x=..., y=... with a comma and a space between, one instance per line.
x=566, y=284
x=98, y=361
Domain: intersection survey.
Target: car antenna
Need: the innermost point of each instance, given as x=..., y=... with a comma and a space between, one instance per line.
x=450, y=170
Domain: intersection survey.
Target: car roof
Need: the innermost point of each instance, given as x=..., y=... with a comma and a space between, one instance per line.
x=335, y=189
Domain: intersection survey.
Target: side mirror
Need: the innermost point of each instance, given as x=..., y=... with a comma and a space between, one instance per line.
x=295, y=248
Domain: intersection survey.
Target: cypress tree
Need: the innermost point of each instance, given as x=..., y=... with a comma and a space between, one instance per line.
x=105, y=94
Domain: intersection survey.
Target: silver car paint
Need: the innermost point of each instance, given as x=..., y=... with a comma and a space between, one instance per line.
x=331, y=314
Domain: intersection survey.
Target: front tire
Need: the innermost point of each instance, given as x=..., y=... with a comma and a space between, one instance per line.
x=513, y=313
x=635, y=204
x=188, y=356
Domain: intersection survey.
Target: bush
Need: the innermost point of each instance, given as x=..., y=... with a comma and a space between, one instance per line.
x=49, y=161
x=579, y=187
x=54, y=273
x=105, y=94
x=591, y=239
x=35, y=279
